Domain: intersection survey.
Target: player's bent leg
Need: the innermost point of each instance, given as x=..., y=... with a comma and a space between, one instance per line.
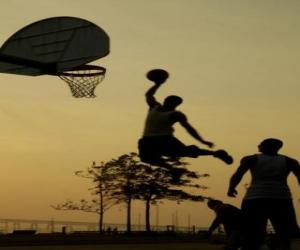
x=150, y=154
x=194, y=151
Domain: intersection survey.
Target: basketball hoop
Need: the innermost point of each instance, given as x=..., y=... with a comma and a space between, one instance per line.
x=83, y=80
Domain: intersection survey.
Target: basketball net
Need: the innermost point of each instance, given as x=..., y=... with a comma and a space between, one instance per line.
x=83, y=80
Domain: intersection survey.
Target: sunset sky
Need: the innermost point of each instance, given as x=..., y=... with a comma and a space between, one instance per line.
x=235, y=63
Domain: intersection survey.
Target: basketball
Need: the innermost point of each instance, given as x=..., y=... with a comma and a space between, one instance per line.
x=157, y=75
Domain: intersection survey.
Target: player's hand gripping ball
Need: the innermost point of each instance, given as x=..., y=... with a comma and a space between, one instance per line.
x=158, y=76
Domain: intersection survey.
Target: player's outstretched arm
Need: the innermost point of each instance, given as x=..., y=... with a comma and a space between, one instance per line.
x=193, y=132
x=150, y=99
x=214, y=225
x=236, y=178
x=158, y=77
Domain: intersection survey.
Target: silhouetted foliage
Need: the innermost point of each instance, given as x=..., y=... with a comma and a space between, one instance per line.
x=158, y=185
x=125, y=179
x=133, y=180
x=126, y=174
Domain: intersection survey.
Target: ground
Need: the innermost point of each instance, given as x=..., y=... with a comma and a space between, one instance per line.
x=164, y=246
x=156, y=246
x=94, y=241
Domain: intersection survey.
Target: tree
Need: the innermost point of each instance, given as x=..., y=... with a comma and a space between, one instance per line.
x=125, y=179
x=157, y=184
x=125, y=175
x=133, y=180
x=104, y=201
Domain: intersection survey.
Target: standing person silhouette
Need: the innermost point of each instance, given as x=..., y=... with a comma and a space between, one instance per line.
x=268, y=196
x=158, y=141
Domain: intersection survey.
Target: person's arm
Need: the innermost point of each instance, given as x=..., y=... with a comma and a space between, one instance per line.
x=235, y=179
x=294, y=166
x=150, y=99
x=214, y=225
x=182, y=119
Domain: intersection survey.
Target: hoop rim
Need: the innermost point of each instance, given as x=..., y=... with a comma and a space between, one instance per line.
x=75, y=72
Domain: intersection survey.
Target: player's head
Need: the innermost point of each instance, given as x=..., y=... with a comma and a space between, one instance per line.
x=270, y=146
x=172, y=101
x=214, y=203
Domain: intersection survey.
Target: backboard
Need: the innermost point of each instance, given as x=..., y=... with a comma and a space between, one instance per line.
x=53, y=45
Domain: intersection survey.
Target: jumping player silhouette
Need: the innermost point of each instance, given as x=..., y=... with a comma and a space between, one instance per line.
x=158, y=144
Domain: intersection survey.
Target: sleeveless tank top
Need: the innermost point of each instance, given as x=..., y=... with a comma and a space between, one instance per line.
x=158, y=123
x=269, y=178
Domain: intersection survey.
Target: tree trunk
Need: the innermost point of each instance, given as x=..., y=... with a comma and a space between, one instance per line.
x=101, y=222
x=147, y=215
x=101, y=213
x=129, y=215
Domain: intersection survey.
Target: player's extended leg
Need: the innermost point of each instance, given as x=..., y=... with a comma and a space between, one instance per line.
x=152, y=149
x=194, y=151
x=175, y=148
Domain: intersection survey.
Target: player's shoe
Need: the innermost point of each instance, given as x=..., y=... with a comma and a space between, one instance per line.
x=224, y=156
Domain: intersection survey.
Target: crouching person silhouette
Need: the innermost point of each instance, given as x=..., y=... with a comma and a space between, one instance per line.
x=229, y=217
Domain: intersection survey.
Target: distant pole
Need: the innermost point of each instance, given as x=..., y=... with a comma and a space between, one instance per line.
x=189, y=222
x=139, y=221
x=194, y=229
x=173, y=219
x=6, y=226
x=52, y=225
x=157, y=217
x=176, y=218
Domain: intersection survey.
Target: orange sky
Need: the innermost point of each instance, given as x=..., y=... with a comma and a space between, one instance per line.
x=234, y=64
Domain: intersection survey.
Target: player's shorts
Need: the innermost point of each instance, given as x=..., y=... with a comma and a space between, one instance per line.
x=152, y=148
